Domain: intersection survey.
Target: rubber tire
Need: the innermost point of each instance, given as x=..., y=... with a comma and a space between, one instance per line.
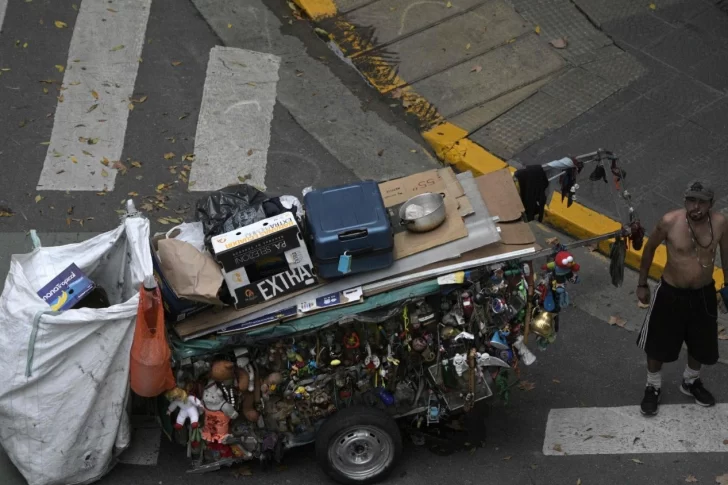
x=353, y=416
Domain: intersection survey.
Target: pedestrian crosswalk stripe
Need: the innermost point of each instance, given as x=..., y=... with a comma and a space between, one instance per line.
x=677, y=428
x=92, y=113
x=233, y=128
x=3, y=8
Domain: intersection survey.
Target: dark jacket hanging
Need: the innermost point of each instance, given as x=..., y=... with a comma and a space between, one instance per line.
x=532, y=182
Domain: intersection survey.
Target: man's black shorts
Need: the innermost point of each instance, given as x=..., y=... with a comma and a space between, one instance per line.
x=678, y=315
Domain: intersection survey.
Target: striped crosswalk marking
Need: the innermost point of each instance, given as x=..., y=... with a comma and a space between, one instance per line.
x=233, y=128
x=3, y=8
x=677, y=428
x=91, y=117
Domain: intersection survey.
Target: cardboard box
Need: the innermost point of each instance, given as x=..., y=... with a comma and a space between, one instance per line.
x=265, y=260
x=67, y=289
x=176, y=309
x=397, y=192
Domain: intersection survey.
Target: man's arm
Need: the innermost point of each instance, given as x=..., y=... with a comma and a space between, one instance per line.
x=653, y=241
x=724, y=251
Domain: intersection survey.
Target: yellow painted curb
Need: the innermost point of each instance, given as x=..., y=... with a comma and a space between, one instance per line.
x=451, y=145
x=317, y=9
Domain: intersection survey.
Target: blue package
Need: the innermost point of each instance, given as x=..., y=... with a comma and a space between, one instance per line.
x=66, y=289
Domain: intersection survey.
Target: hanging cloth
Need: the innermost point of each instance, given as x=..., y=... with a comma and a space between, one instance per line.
x=532, y=183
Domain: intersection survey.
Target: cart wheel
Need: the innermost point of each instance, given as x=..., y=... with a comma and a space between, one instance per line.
x=358, y=445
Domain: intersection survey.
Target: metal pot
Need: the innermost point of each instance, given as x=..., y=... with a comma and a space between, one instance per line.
x=434, y=206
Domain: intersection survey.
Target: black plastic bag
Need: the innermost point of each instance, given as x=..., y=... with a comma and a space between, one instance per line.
x=229, y=208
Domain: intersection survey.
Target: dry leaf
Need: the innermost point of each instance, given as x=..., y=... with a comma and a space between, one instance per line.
x=93, y=107
x=94, y=94
x=163, y=220
x=552, y=241
x=557, y=447
x=169, y=155
x=60, y=25
x=4, y=213
x=578, y=481
x=722, y=336
x=250, y=152
x=160, y=187
x=556, y=381
x=506, y=458
x=136, y=164
x=527, y=386
x=653, y=6
x=184, y=116
x=117, y=48
x=449, y=5
x=104, y=173
x=725, y=442
x=38, y=198
x=537, y=29
x=130, y=106
x=188, y=157
x=133, y=194
x=476, y=69
x=176, y=63
x=642, y=305
x=230, y=26
x=467, y=46
x=722, y=480
x=637, y=460
x=147, y=207
x=691, y=479
x=119, y=166
x=380, y=153
x=74, y=159
x=112, y=10
x=101, y=193
x=617, y=320
x=60, y=68
x=105, y=161
x=60, y=98
x=559, y=43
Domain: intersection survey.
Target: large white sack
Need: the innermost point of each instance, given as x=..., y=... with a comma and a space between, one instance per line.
x=65, y=422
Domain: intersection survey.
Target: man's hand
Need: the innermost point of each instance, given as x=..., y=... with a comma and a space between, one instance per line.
x=643, y=294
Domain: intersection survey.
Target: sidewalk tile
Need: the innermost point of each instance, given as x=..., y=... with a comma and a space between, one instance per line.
x=683, y=95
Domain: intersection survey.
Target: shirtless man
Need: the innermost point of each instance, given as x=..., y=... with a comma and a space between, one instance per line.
x=684, y=307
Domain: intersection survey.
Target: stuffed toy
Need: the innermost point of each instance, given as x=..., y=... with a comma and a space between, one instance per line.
x=189, y=407
x=564, y=267
x=218, y=413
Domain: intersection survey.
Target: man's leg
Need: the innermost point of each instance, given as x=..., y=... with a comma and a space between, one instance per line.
x=702, y=342
x=651, y=400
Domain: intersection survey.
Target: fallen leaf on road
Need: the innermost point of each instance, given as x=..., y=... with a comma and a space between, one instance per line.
x=230, y=26
x=618, y=321
x=642, y=305
x=105, y=161
x=189, y=157
x=163, y=220
x=169, y=155
x=557, y=447
x=578, y=481
x=136, y=164
x=559, y=43
x=117, y=48
x=725, y=442
x=243, y=178
x=133, y=194
x=60, y=68
x=637, y=460
x=467, y=47
x=250, y=152
x=118, y=165
x=93, y=107
x=722, y=337
x=653, y=6
x=94, y=94
x=691, y=479
x=552, y=241
x=60, y=25
x=101, y=193
x=38, y=198
x=104, y=173
x=476, y=69
x=57, y=154
x=74, y=159
x=527, y=386
x=380, y=153
x=147, y=207
x=176, y=63
x=413, y=151
x=722, y=480
x=60, y=98
x=448, y=4
x=4, y=213
x=537, y=29
x=112, y=10
x=556, y=381
x=506, y=458
x=606, y=436
x=184, y=116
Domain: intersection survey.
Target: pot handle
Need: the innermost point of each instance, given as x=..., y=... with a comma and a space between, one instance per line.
x=442, y=194
x=404, y=222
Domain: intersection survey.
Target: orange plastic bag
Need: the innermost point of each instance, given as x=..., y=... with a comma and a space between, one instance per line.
x=151, y=366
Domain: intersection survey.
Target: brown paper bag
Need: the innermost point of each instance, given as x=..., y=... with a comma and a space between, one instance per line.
x=191, y=274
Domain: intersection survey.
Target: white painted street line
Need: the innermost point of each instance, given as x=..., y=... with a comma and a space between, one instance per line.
x=3, y=7
x=677, y=428
x=92, y=113
x=233, y=129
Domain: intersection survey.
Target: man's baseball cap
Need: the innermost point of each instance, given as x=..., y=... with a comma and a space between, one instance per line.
x=699, y=190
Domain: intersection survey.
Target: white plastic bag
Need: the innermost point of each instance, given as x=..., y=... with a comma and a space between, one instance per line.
x=189, y=232
x=65, y=383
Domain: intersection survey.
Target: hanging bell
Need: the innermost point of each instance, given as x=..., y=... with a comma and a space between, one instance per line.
x=543, y=324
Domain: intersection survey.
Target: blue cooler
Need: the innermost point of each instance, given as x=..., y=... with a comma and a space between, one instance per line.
x=348, y=228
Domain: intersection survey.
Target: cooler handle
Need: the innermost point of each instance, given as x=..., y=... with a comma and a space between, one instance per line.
x=355, y=234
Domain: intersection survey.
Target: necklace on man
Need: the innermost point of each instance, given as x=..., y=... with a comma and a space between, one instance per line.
x=696, y=242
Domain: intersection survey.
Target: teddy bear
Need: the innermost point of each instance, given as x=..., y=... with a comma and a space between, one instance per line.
x=227, y=373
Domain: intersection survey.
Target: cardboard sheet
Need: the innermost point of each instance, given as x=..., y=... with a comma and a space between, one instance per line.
x=500, y=195
x=396, y=192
